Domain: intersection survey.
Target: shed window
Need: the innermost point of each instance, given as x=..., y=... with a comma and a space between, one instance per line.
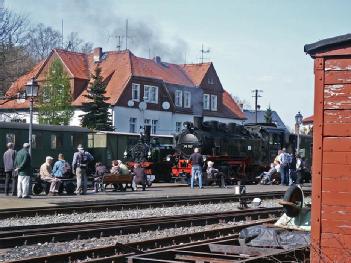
x=206, y=101
x=178, y=98
x=135, y=92
x=187, y=99
x=56, y=141
x=10, y=137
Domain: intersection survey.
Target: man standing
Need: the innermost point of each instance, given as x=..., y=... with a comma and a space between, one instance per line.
x=24, y=169
x=80, y=165
x=9, y=165
x=196, y=167
x=284, y=167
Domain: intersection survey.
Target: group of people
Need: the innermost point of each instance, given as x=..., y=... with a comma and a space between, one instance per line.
x=119, y=168
x=18, y=169
x=289, y=166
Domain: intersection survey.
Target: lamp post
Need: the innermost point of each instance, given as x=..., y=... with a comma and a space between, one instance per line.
x=31, y=91
x=298, y=121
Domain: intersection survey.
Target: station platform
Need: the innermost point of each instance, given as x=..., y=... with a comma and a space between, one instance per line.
x=155, y=191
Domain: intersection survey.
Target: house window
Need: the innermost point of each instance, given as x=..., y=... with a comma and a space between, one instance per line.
x=154, y=126
x=178, y=126
x=150, y=94
x=213, y=102
x=178, y=98
x=187, y=99
x=206, y=101
x=210, y=81
x=147, y=122
x=135, y=92
x=132, y=125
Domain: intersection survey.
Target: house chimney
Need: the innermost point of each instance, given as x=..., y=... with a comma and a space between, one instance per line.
x=97, y=53
x=157, y=59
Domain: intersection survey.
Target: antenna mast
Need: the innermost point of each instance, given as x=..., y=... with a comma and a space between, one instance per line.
x=62, y=33
x=203, y=51
x=126, y=34
x=257, y=94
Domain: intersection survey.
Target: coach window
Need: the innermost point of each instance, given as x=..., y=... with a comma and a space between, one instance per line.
x=56, y=141
x=10, y=137
x=76, y=139
x=36, y=141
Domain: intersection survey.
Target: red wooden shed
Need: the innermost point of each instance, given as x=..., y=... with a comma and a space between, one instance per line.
x=331, y=184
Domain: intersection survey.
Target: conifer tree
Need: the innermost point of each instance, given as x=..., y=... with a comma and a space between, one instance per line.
x=54, y=100
x=97, y=109
x=268, y=115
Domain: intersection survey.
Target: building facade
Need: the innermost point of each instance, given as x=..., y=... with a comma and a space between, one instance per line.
x=140, y=91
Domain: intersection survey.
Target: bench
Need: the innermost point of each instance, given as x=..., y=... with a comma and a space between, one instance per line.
x=116, y=179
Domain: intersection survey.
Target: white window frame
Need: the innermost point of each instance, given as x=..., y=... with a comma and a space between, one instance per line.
x=187, y=99
x=214, y=103
x=206, y=101
x=147, y=122
x=178, y=98
x=210, y=81
x=154, y=125
x=148, y=90
x=136, y=87
x=132, y=123
x=178, y=126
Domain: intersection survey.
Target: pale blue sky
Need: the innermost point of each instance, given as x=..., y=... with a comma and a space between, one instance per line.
x=254, y=44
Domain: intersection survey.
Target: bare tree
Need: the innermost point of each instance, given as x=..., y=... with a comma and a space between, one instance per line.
x=14, y=59
x=41, y=40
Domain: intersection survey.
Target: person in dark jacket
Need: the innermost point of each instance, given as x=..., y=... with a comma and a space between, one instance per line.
x=196, y=167
x=9, y=166
x=24, y=168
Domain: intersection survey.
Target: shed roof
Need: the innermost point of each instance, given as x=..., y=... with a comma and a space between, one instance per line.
x=327, y=43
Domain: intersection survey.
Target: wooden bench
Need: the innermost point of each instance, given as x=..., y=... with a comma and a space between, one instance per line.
x=117, y=179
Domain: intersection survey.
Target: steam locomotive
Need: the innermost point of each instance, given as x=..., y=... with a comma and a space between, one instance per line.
x=240, y=152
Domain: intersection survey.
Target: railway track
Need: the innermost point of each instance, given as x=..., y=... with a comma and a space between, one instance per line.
x=96, y=206
x=26, y=235
x=119, y=252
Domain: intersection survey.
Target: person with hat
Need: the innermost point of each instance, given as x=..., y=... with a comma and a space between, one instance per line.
x=46, y=174
x=80, y=164
x=24, y=168
x=9, y=166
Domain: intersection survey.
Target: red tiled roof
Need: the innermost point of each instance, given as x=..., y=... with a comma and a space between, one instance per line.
x=118, y=67
x=231, y=107
x=308, y=120
x=76, y=63
x=196, y=72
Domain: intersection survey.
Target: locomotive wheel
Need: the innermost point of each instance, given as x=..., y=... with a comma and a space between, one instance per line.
x=293, y=201
x=37, y=188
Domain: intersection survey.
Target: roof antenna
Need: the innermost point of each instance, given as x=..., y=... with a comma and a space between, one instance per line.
x=62, y=33
x=203, y=51
x=126, y=34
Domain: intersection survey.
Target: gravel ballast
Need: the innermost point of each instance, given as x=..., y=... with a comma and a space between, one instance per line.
x=65, y=247
x=127, y=214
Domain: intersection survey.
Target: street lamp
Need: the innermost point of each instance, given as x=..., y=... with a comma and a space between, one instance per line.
x=31, y=91
x=298, y=122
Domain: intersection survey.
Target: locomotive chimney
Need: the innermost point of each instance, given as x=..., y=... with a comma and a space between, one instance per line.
x=198, y=122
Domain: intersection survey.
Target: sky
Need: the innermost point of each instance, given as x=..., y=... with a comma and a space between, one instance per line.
x=253, y=44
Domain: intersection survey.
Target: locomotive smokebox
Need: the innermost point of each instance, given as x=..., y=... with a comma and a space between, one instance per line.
x=198, y=122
